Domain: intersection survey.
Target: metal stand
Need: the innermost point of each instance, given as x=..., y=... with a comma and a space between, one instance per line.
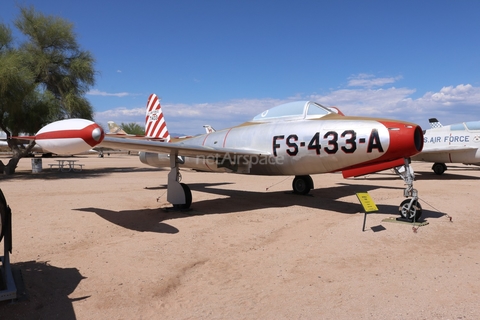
x=9, y=289
x=364, y=221
x=10, y=292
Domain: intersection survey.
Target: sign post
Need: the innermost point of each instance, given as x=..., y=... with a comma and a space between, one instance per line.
x=368, y=205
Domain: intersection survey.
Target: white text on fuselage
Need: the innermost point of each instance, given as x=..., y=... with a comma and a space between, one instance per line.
x=333, y=142
x=443, y=139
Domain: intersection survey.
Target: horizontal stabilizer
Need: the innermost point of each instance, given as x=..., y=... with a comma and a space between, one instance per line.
x=360, y=171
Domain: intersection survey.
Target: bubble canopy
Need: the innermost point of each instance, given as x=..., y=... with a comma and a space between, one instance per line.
x=293, y=110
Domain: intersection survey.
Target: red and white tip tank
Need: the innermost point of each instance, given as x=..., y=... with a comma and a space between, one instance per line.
x=69, y=136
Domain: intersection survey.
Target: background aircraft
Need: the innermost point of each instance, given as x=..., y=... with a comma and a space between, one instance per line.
x=5, y=148
x=456, y=143
x=37, y=149
x=298, y=139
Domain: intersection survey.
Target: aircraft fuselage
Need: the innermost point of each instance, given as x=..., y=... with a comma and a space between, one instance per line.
x=299, y=147
x=457, y=143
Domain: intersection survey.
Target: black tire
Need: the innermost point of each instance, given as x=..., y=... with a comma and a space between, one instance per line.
x=415, y=210
x=3, y=213
x=188, y=197
x=302, y=184
x=439, y=168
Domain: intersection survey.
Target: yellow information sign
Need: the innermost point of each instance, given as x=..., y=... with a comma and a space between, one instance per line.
x=367, y=202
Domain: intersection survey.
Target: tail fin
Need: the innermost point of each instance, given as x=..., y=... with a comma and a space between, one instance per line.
x=115, y=128
x=155, y=125
x=208, y=128
x=434, y=123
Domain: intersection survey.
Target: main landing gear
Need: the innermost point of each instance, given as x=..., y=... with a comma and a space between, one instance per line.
x=439, y=168
x=178, y=194
x=302, y=184
x=410, y=209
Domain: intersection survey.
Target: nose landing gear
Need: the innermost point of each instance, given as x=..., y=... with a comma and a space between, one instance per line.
x=410, y=209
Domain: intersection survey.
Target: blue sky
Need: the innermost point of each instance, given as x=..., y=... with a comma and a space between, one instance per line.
x=222, y=62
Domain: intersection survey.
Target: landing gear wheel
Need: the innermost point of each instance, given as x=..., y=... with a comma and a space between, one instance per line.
x=188, y=197
x=439, y=168
x=414, y=213
x=3, y=209
x=302, y=184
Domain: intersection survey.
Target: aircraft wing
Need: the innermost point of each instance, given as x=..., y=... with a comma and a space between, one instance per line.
x=182, y=149
x=132, y=136
x=450, y=149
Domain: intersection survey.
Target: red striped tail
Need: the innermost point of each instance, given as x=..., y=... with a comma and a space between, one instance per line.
x=155, y=125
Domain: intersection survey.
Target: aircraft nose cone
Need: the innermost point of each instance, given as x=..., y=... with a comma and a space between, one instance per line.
x=97, y=134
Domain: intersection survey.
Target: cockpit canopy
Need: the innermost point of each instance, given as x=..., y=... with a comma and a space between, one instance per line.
x=293, y=111
x=471, y=126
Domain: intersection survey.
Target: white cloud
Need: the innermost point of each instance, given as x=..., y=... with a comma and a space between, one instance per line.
x=121, y=112
x=450, y=104
x=221, y=110
x=96, y=92
x=454, y=95
x=370, y=81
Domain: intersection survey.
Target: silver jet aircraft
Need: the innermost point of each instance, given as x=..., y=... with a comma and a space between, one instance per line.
x=298, y=139
x=456, y=143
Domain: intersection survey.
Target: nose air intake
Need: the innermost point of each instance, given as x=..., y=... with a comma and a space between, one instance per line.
x=406, y=139
x=418, y=138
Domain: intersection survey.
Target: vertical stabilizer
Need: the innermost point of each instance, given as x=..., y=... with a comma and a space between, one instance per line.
x=114, y=128
x=209, y=128
x=155, y=125
x=434, y=123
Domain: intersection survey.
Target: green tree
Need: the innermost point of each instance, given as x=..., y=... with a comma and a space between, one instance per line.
x=42, y=80
x=133, y=128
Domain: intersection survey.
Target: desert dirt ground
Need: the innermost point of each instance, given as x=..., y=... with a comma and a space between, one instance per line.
x=99, y=244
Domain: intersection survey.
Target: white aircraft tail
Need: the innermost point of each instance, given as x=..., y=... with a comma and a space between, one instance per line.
x=115, y=128
x=209, y=128
x=155, y=125
x=434, y=123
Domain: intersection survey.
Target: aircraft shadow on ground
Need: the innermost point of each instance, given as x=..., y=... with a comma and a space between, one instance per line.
x=42, y=292
x=144, y=220
x=448, y=175
x=48, y=174
x=423, y=175
x=234, y=201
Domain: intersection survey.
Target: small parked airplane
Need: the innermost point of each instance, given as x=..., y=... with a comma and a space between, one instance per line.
x=456, y=143
x=298, y=138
